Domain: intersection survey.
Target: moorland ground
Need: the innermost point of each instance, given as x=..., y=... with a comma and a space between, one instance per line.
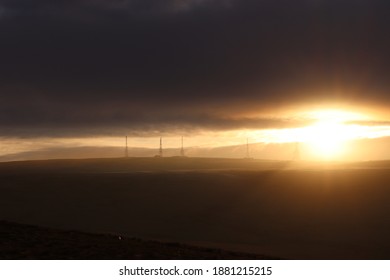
x=284, y=209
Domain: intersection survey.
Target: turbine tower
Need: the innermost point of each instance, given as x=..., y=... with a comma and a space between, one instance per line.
x=247, y=148
x=160, y=152
x=182, y=148
x=296, y=154
x=126, y=149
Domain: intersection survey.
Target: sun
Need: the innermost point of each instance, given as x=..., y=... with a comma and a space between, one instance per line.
x=329, y=135
x=326, y=139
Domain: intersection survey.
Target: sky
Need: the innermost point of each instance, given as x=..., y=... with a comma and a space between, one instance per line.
x=88, y=72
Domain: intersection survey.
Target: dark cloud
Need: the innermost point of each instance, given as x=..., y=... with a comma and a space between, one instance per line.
x=94, y=124
x=145, y=63
x=108, y=7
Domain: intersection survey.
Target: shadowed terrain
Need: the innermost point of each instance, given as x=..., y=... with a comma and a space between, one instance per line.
x=290, y=210
x=31, y=242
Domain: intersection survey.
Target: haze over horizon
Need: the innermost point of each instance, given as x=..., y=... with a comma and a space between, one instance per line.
x=88, y=72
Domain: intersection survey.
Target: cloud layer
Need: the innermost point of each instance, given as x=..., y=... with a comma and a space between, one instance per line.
x=145, y=65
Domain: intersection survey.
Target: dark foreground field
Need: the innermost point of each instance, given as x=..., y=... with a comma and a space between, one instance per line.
x=298, y=211
x=32, y=242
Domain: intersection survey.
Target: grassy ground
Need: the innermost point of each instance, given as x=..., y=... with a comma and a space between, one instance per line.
x=31, y=242
x=289, y=210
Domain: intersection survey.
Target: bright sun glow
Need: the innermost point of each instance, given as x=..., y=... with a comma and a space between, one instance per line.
x=327, y=137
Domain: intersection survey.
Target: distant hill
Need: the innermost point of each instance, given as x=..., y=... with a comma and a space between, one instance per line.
x=257, y=150
x=171, y=164
x=358, y=150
